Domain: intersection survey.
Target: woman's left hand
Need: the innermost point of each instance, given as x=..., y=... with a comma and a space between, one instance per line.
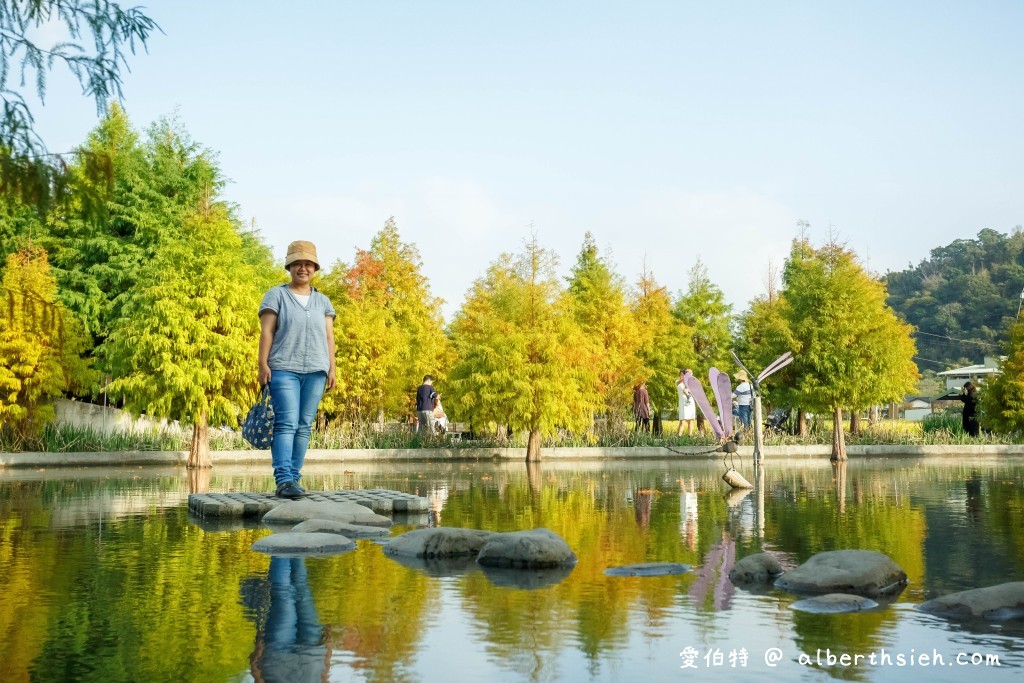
x=331, y=380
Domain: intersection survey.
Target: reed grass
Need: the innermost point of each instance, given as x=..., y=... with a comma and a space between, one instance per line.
x=942, y=430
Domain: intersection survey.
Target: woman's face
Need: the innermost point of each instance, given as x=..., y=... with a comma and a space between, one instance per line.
x=302, y=272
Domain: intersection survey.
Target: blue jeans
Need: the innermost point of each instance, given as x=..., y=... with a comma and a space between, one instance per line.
x=745, y=416
x=295, y=396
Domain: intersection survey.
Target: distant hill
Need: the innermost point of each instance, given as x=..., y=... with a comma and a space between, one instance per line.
x=962, y=298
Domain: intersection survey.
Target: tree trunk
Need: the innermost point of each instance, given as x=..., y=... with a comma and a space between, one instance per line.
x=701, y=423
x=533, y=446
x=199, y=450
x=854, y=423
x=838, y=436
x=801, y=421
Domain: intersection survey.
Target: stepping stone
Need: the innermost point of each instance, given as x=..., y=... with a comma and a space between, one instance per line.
x=860, y=572
x=328, y=526
x=438, y=542
x=994, y=603
x=756, y=568
x=534, y=549
x=834, y=603
x=293, y=512
x=251, y=504
x=303, y=544
x=649, y=569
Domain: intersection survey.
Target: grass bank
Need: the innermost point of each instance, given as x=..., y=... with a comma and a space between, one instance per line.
x=55, y=438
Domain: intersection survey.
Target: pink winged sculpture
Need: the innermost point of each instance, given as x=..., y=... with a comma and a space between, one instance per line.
x=722, y=390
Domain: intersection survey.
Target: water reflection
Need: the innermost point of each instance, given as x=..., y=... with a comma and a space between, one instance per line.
x=290, y=643
x=100, y=570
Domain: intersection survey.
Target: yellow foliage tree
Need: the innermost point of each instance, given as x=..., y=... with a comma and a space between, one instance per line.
x=41, y=344
x=389, y=331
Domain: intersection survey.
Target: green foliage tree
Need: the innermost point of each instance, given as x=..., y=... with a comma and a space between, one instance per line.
x=521, y=356
x=389, y=329
x=599, y=305
x=99, y=36
x=963, y=297
x=665, y=341
x=1003, y=397
x=851, y=349
x=104, y=235
x=184, y=345
x=41, y=344
x=703, y=309
x=763, y=334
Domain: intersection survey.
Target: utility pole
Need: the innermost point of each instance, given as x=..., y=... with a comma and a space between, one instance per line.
x=1021, y=302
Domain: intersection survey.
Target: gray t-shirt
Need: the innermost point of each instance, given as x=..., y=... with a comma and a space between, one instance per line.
x=300, y=342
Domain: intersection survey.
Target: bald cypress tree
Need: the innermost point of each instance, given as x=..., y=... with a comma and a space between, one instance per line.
x=665, y=341
x=42, y=346
x=851, y=350
x=521, y=355
x=389, y=329
x=598, y=302
x=1003, y=397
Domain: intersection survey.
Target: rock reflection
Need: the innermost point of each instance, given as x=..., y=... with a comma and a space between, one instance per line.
x=290, y=643
x=527, y=579
x=504, y=577
x=438, y=567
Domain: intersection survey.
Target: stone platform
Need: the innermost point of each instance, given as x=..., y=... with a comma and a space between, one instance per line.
x=242, y=505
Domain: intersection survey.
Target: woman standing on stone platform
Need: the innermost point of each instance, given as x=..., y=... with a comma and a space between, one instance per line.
x=296, y=358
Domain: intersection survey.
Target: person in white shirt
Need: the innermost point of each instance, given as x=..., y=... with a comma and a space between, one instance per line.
x=743, y=395
x=687, y=406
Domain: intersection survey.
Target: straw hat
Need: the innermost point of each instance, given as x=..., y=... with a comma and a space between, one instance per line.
x=301, y=250
x=741, y=376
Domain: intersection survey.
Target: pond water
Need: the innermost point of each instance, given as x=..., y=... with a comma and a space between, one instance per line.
x=105, y=577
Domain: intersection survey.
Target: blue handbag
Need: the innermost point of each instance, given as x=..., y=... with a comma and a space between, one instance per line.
x=258, y=427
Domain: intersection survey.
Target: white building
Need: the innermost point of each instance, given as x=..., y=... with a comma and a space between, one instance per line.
x=957, y=377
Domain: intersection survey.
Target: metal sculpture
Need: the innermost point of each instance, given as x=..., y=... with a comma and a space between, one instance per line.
x=755, y=381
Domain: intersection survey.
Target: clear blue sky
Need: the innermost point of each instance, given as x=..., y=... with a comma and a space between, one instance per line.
x=671, y=130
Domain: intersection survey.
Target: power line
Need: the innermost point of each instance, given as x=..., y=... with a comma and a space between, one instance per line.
x=929, y=360
x=964, y=341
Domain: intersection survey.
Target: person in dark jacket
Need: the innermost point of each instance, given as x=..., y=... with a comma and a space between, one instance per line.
x=425, y=396
x=969, y=395
x=642, y=407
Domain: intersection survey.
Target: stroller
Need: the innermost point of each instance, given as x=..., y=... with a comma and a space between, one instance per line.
x=777, y=420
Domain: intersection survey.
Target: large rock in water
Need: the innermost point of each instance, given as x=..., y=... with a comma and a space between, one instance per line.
x=439, y=542
x=756, y=568
x=860, y=572
x=834, y=603
x=328, y=526
x=535, y=549
x=994, y=603
x=303, y=544
x=293, y=512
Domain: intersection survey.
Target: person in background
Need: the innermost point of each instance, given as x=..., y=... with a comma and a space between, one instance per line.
x=744, y=396
x=969, y=396
x=642, y=407
x=440, y=417
x=425, y=396
x=687, y=406
x=296, y=357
